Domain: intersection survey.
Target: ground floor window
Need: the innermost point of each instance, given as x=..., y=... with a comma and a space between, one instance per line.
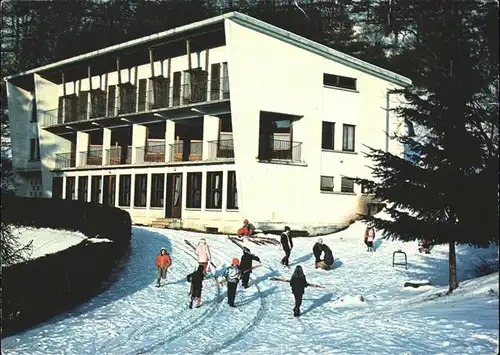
x=125, y=183
x=157, y=189
x=326, y=183
x=347, y=185
x=193, y=190
x=57, y=187
x=95, y=189
x=141, y=188
x=232, y=191
x=83, y=188
x=214, y=190
x=70, y=188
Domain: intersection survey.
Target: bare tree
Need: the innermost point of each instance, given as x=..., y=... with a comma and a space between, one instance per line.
x=12, y=251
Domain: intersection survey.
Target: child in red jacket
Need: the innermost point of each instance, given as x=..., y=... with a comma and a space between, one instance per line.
x=162, y=263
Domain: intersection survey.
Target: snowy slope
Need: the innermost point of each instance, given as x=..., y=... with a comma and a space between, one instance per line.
x=134, y=317
x=48, y=241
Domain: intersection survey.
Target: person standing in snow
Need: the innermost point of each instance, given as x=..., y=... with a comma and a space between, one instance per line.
x=162, y=263
x=317, y=252
x=232, y=275
x=369, y=238
x=287, y=244
x=298, y=283
x=246, y=266
x=203, y=255
x=196, y=279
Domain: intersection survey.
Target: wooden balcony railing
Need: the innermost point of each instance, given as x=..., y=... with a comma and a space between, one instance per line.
x=192, y=152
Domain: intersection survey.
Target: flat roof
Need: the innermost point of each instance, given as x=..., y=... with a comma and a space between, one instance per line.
x=244, y=20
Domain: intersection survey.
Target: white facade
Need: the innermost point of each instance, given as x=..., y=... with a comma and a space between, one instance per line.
x=261, y=116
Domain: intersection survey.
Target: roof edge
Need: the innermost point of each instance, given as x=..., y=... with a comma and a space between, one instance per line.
x=124, y=45
x=319, y=49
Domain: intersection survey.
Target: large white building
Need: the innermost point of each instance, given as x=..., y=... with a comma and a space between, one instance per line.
x=204, y=125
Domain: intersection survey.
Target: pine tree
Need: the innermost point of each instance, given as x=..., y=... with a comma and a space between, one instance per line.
x=448, y=191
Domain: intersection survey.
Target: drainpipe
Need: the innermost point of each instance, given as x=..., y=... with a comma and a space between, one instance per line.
x=387, y=117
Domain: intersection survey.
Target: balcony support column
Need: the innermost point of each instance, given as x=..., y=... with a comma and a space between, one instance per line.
x=210, y=133
x=169, y=139
x=139, y=136
x=82, y=146
x=106, y=145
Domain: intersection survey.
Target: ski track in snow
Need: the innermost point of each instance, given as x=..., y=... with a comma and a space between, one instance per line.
x=134, y=317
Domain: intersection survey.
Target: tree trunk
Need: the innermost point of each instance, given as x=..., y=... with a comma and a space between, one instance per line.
x=452, y=267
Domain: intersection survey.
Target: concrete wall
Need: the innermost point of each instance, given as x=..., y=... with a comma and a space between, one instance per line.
x=287, y=79
x=50, y=144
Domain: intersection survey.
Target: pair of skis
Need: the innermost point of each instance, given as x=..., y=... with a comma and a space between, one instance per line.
x=255, y=240
x=194, y=248
x=284, y=280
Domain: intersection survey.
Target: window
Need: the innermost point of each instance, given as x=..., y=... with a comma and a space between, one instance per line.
x=124, y=190
x=339, y=81
x=57, y=187
x=70, y=188
x=157, y=189
x=111, y=100
x=328, y=135
x=215, y=82
x=326, y=183
x=83, y=104
x=193, y=190
x=34, y=150
x=225, y=81
x=347, y=185
x=232, y=191
x=141, y=188
x=142, y=94
x=348, y=138
x=176, y=94
x=95, y=189
x=33, y=109
x=214, y=190
x=364, y=189
x=83, y=188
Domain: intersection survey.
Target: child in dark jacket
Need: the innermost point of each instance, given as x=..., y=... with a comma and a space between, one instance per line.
x=196, y=279
x=232, y=275
x=317, y=251
x=246, y=266
x=298, y=283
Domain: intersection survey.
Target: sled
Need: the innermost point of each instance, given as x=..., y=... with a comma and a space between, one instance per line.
x=400, y=263
x=194, y=248
x=283, y=280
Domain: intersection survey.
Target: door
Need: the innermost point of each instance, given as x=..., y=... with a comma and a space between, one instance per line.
x=57, y=187
x=108, y=190
x=173, y=207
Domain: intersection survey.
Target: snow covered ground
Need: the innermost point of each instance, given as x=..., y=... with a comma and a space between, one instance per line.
x=48, y=241
x=134, y=317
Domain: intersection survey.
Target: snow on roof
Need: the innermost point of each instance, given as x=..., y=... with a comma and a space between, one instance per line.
x=248, y=22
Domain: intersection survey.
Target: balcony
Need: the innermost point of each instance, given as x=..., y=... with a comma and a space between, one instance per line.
x=119, y=155
x=281, y=151
x=221, y=149
x=188, y=152
x=153, y=153
x=93, y=156
x=65, y=160
x=209, y=95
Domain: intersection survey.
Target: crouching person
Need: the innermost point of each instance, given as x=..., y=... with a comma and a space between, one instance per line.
x=196, y=279
x=162, y=263
x=232, y=275
x=317, y=252
x=298, y=283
